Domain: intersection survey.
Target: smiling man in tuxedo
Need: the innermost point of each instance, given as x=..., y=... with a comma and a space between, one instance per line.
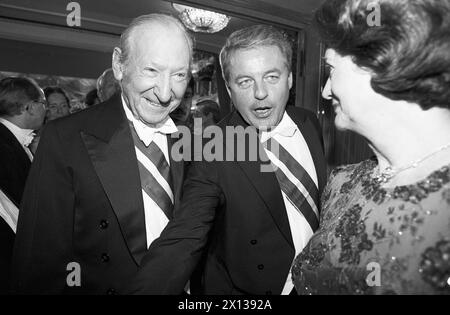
x=103, y=185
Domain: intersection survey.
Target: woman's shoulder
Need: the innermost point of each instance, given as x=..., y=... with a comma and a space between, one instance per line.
x=343, y=179
x=353, y=170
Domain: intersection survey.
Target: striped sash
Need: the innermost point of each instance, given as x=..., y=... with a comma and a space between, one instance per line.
x=154, y=171
x=295, y=182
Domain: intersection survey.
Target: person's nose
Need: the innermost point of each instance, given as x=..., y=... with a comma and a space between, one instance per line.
x=326, y=92
x=163, y=90
x=260, y=90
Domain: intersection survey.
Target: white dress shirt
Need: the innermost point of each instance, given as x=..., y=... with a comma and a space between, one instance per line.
x=289, y=136
x=24, y=136
x=155, y=219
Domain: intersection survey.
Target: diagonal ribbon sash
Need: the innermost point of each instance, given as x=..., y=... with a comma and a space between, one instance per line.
x=154, y=171
x=295, y=182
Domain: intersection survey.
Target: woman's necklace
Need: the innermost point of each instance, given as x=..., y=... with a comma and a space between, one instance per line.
x=390, y=172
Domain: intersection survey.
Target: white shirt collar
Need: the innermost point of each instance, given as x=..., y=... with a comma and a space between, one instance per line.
x=24, y=136
x=146, y=133
x=286, y=128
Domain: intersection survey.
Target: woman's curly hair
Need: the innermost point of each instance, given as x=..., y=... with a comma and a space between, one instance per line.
x=408, y=53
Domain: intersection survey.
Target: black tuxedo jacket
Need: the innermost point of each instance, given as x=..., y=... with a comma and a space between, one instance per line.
x=14, y=167
x=83, y=204
x=233, y=220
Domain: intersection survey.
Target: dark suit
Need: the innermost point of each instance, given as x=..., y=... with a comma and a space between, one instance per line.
x=250, y=248
x=83, y=203
x=14, y=167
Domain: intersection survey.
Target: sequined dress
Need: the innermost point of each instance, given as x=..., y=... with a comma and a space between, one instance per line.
x=373, y=240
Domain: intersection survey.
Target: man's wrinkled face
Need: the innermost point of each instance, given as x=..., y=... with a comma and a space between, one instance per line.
x=156, y=74
x=259, y=84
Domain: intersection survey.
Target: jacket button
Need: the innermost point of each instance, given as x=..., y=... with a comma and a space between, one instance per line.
x=105, y=258
x=260, y=267
x=253, y=242
x=104, y=224
x=111, y=292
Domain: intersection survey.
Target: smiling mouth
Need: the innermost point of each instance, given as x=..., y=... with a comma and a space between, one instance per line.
x=151, y=103
x=263, y=112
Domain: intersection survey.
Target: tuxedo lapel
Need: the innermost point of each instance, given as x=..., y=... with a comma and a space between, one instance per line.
x=18, y=168
x=8, y=137
x=111, y=150
x=265, y=183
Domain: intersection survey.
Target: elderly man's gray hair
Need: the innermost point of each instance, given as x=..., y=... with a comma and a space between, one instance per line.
x=162, y=19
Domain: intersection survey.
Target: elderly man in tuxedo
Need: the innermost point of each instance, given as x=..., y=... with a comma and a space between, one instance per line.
x=103, y=185
x=239, y=225
x=22, y=111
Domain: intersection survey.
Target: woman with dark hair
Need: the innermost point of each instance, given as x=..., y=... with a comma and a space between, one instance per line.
x=385, y=222
x=58, y=102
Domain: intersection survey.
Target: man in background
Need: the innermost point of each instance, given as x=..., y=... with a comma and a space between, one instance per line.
x=22, y=111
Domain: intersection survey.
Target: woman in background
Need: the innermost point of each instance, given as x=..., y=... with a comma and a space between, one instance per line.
x=385, y=222
x=58, y=103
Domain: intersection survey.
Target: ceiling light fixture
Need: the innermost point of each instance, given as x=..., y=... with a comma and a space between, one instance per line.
x=199, y=20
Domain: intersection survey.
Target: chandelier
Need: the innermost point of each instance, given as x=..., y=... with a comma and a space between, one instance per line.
x=199, y=20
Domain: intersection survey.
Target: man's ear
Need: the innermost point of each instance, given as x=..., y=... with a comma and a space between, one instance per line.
x=117, y=64
x=28, y=108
